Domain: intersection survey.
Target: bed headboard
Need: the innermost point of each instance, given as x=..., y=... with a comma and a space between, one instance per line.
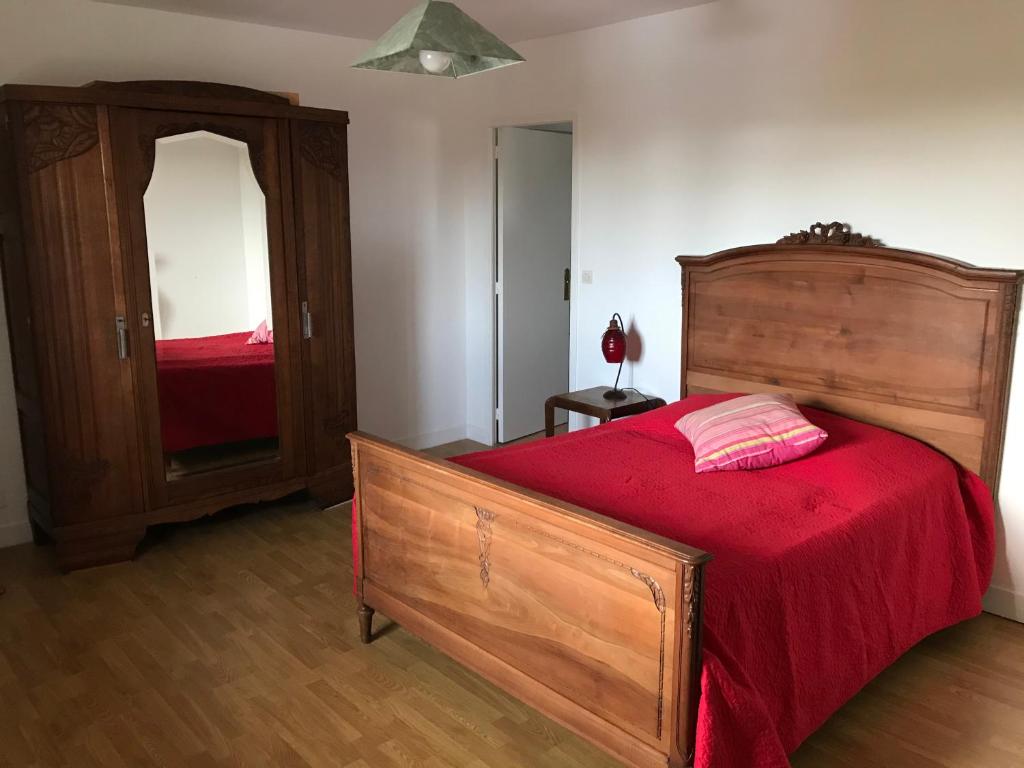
x=909, y=341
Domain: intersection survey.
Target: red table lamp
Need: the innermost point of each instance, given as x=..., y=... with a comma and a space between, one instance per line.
x=613, y=347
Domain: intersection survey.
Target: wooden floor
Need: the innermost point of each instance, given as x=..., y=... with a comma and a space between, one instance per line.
x=233, y=641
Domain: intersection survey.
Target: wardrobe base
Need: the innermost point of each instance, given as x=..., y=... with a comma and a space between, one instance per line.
x=115, y=540
x=85, y=550
x=333, y=487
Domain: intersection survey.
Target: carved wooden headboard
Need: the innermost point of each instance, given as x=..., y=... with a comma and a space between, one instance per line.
x=909, y=341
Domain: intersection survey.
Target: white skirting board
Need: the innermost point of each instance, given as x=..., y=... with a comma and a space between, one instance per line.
x=17, y=532
x=1004, y=602
x=484, y=435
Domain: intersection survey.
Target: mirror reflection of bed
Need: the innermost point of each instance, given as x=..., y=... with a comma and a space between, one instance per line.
x=212, y=310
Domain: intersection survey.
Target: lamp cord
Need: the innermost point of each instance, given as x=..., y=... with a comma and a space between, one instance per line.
x=634, y=389
x=622, y=328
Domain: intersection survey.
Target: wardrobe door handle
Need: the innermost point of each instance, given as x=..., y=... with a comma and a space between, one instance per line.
x=121, y=328
x=307, y=321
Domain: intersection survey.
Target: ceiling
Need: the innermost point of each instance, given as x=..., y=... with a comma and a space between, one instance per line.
x=511, y=20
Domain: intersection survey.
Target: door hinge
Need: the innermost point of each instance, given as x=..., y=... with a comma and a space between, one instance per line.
x=121, y=328
x=497, y=414
x=497, y=152
x=307, y=321
x=497, y=289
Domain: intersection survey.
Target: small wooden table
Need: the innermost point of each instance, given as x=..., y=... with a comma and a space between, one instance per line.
x=592, y=403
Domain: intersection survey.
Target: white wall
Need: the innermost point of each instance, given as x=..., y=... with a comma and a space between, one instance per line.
x=407, y=231
x=742, y=120
x=199, y=259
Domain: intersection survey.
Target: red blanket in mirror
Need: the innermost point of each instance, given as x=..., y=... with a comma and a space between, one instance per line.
x=214, y=390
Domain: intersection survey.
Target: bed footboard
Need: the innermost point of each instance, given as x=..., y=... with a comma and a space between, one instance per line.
x=593, y=622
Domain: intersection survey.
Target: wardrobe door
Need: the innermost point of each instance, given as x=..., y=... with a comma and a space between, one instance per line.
x=214, y=308
x=66, y=303
x=320, y=183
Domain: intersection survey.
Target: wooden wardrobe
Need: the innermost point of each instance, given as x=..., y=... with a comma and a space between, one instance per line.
x=131, y=290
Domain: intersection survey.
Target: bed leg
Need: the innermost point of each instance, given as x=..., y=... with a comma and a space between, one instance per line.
x=365, y=623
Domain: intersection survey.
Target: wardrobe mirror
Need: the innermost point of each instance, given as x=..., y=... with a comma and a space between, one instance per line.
x=212, y=318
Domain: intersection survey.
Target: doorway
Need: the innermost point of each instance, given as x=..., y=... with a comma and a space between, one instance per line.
x=533, y=273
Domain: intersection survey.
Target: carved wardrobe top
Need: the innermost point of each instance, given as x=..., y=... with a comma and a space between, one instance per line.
x=215, y=98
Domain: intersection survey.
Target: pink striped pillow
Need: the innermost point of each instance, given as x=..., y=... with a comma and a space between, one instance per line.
x=749, y=432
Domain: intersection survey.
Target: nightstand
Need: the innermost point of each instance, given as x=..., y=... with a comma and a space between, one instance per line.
x=592, y=403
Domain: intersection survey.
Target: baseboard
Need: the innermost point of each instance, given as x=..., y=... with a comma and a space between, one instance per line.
x=1004, y=602
x=480, y=434
x=13, y=533
x=434, y=439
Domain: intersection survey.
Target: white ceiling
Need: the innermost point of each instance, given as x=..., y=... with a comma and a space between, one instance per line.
x=511, y=20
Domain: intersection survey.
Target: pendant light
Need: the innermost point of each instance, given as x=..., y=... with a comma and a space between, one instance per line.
x=436, y=38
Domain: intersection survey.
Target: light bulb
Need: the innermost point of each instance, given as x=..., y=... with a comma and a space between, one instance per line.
x=435, y=62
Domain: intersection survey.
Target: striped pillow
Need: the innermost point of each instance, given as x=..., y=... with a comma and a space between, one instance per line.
x=749, y=432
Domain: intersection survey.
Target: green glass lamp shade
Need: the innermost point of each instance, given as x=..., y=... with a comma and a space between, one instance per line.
x=436, y=38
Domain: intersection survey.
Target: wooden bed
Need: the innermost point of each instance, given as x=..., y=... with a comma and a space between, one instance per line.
x=908, y=341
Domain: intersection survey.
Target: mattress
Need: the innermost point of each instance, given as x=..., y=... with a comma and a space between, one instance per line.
x=826, y=569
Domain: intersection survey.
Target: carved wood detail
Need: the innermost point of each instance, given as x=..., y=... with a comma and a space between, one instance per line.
x=691, y=598
x=689, y=696
x=659, y=600
x=323, y=145
x=484, y=533
x=656, y=591
x=835, y=233
x=147, y=142
x=55, y=132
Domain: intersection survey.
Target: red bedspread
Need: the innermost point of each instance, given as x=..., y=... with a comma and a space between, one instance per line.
x=215, y=389
x=826, y=569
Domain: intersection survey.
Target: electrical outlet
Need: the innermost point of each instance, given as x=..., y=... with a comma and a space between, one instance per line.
x=588, y=277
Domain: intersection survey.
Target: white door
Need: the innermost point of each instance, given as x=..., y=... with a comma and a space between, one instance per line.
x=534, y=218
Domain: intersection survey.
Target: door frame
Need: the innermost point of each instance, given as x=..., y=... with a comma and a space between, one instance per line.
x=574, y=261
